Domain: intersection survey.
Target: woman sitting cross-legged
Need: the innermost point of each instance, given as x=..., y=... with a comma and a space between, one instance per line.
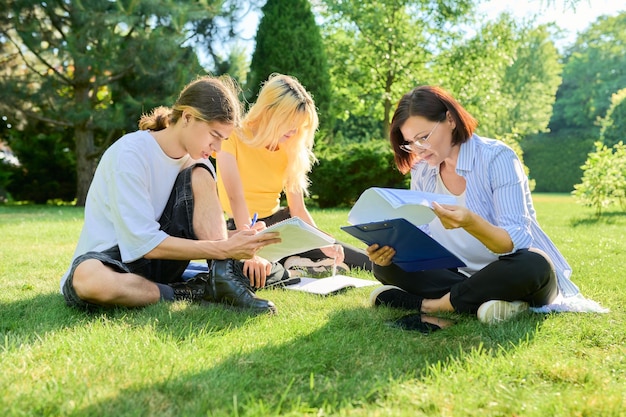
x=511, y=262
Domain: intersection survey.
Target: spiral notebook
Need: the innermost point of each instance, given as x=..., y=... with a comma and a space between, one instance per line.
x=297, y=236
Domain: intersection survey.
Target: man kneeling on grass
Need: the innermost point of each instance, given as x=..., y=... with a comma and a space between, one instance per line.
x=153, y=206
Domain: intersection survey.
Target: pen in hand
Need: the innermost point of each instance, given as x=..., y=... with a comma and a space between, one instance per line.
x=255, y=217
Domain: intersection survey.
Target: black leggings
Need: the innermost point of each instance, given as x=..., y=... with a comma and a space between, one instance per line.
x=354, y=257
x=524, y=275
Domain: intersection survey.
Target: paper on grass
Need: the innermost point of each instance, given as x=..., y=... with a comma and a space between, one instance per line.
x=330, y=285
x=297, y=236
x=376, y=204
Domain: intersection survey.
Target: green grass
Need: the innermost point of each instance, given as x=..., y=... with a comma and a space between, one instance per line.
x=318, y=356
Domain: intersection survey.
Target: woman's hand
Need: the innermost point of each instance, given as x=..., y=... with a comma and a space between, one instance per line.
x=335, y=252
x=258, y=226
x=380, y=256
x=452, y=217
x=495, y=238
x=257, y=269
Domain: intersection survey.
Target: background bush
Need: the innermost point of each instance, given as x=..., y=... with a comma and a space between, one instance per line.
x=613, y=124
x=604, y=178
x=47, y=167
x=555, y=161
x=345, y=171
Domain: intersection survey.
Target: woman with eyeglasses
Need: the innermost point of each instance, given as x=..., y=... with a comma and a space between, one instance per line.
x=272, y=153
x=511, y=263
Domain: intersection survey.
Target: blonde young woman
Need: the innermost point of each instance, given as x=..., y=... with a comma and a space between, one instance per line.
x=272, y=153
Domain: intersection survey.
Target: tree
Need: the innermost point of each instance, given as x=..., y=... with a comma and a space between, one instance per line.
x=86, y=65
x=506, y=76
x=530, y=83
x=236, y=64
x=379, y=49
x=604, y=178
x=474, y=71
x=613, y=124
x=595, y=68
x=288, y=41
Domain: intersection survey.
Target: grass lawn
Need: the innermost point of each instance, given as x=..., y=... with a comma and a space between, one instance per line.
x=319, y=356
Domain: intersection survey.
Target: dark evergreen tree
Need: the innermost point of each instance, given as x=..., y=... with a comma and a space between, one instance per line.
x=82, y=71
x=288, y=41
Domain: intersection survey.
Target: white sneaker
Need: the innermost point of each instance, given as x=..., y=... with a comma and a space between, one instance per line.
x=496, y=311
x=374, y=301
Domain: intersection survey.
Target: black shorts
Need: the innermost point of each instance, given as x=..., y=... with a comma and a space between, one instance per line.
x=176, y=220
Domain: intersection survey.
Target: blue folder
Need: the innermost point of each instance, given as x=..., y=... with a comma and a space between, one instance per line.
x=415, y=250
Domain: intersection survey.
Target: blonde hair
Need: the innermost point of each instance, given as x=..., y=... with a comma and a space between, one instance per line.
x=206, y=98
x=284, y=104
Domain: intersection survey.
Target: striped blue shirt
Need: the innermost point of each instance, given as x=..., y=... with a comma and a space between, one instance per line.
x=497, y=190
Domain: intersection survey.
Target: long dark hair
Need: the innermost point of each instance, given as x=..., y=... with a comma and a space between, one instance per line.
x=434, y=104
x=207, y=98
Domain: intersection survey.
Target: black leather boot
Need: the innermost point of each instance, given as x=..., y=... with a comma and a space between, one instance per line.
x=193, y=289
x=227, y=285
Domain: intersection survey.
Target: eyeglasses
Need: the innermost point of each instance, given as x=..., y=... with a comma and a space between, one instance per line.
x=418, y=143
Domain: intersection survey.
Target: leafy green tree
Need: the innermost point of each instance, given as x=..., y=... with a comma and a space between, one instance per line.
x=595, y=68
x=236, y=64
x=86, y=65
x=604, y=177
x=288, y=41
x=613, y=125
x=506, y=76
x=379, y=49
x=530, y=83
x=474, y=70
x=619, y=159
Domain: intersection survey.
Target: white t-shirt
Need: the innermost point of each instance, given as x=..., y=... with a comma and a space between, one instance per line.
x=129, y=191
x=465, y=246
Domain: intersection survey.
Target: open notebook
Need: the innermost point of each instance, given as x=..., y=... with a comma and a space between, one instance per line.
x=297, y=236
x=330, y=285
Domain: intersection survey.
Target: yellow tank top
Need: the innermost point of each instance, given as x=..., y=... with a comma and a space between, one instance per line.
x=262, y=174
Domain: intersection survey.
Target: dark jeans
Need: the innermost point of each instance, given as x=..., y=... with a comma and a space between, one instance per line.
x=523, y=275
x=354, y=257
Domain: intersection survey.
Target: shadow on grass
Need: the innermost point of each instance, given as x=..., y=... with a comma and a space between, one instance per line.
x=608, y=218
x=28, y=318
x=353, y=360
x=31, y=319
